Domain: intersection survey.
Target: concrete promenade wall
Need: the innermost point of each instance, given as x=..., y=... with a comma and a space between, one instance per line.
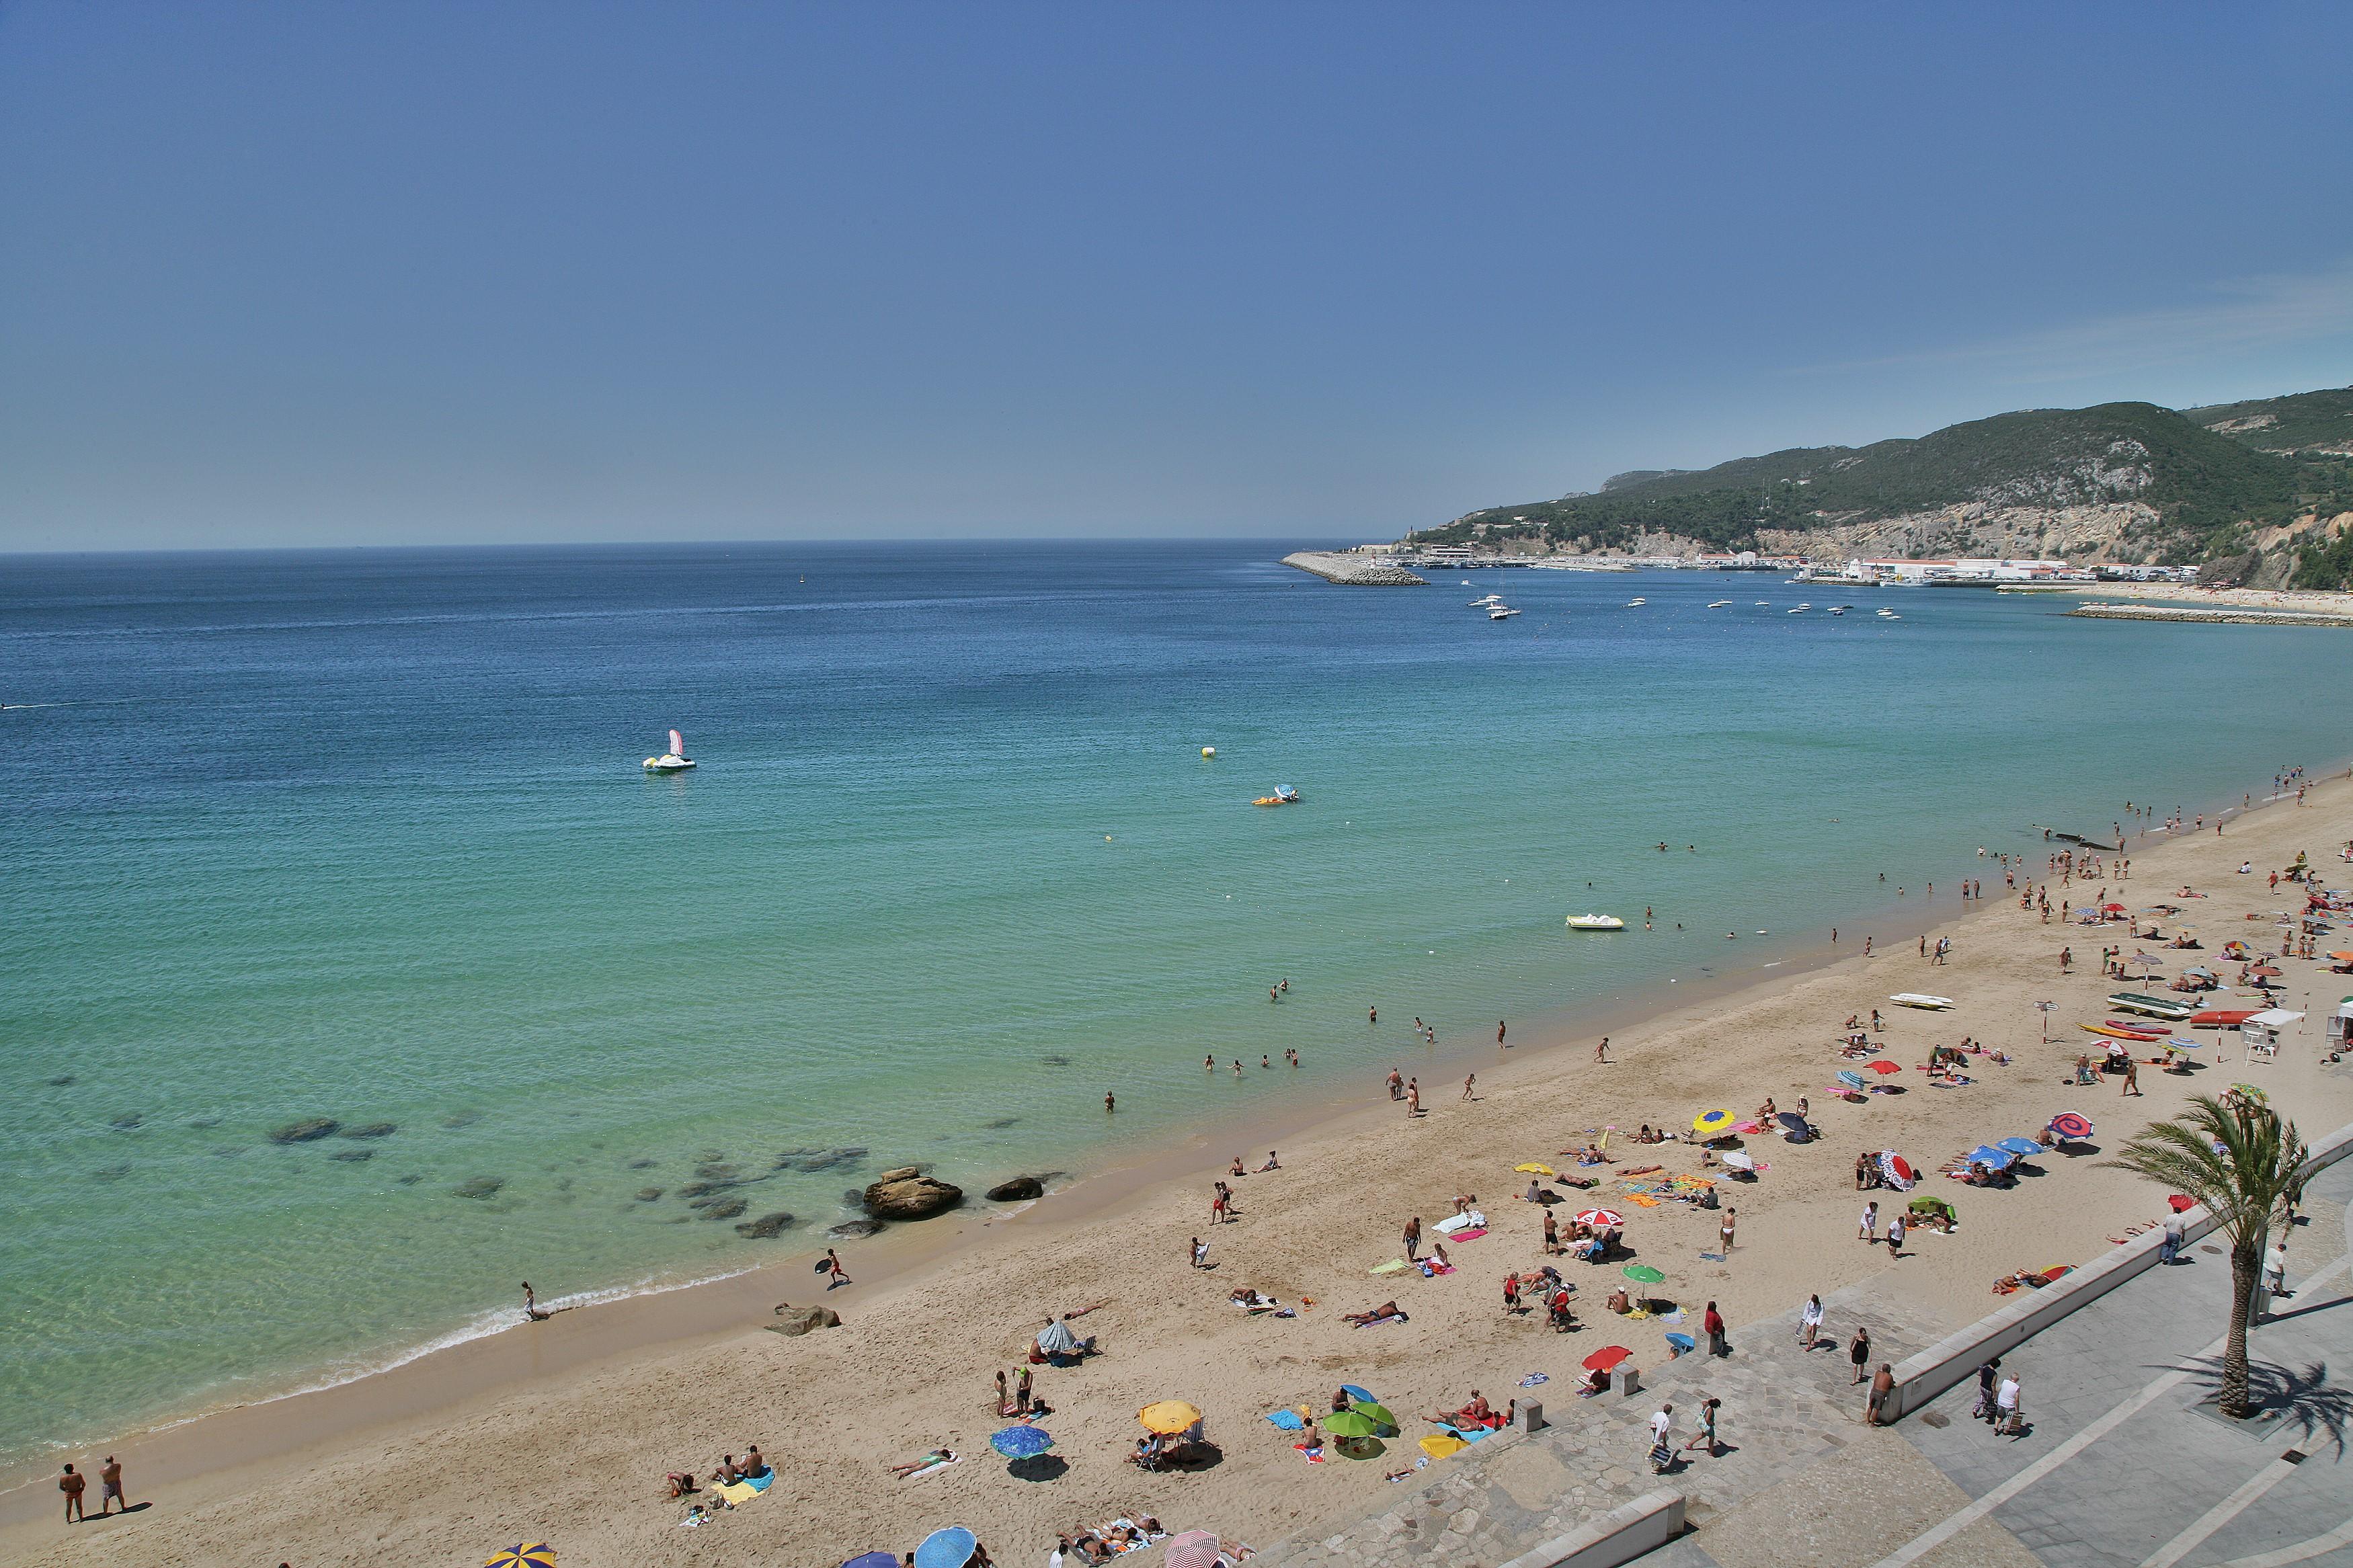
x=1928, y=1374
x=1618, y=1537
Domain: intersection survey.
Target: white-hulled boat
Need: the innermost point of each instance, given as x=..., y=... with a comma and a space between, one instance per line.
x=1596, y=922
x=1920, y=999
x=1719, y=604
x=1501, y=612
x=674, y=761
x=1631, y=603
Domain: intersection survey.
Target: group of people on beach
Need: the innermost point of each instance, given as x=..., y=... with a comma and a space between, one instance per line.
x=73, y=1483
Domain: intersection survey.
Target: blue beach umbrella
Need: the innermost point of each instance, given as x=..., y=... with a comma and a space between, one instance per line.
x=1852, y=1080
x=949, y=1548
x=2024, y=1148
x=1990, y=1157
x=1021, y=1442
x=1684, y=1343
x=873, y=1560
x=1353, y=1392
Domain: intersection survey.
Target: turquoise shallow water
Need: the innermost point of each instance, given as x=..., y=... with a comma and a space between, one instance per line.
x=362, y=835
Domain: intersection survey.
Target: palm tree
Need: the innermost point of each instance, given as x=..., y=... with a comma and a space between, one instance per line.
x=2241, y=1161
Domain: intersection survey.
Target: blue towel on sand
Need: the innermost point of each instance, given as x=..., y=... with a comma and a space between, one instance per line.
x=1288, y=1420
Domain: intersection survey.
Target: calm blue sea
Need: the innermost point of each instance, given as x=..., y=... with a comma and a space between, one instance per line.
x=363, y=836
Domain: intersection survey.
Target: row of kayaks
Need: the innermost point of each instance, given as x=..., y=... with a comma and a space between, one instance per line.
x=2166, y=1010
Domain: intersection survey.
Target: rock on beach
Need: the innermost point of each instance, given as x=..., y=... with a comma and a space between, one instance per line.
x=906, y=1193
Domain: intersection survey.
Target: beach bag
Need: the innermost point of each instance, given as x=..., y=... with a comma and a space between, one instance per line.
x=1662, y=1456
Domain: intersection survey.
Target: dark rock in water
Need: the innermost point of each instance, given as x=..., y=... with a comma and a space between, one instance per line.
x=369, y=1130
x=818, y=1160
x=718, y=1170
x=352, y=1155
x=408, y=1181
x=1017, y=1190
x=767, y=1226
x=905, y=1172
x=704, y=1189
x=1056, y=1061
x=641, y=1165
x=649, y=1194
x=725, y=1208
x=127, y=1121
x=854, y=1230
x=1002, y=1122
x=904, y=1194
x=205, y=1122
x=111, y=1173
x=304, y=1131
x=461, y=1119
x=63, y=1080
x=852, y=1196
x=479, y=1187
x=798, y=1320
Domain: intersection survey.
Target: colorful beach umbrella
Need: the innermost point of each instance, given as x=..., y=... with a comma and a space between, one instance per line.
x=1350, y=1424
x=1995, y=1159
x=1683, y=1344
x=1056, y=1339
x=1021, y=1442
x=1378, y=1414
x=1883, y=1069
x=1896, y=1169
x=1353, y=1392
x=1537, y=1168
x=949, y=1548
x=1850, y=1078
x=1642, y=1274
x=873, y=1560
x=1599, y=1216
x=2265, y=970
x=1438, y=1445
x=1931, y=1205
x=1194, y=1549
x=1712, y=1124
x=530, y=1555
x=1605, y=1357
x=2074, y=1129
x=1169, y=1417
x=2024, y=1148
x=2180, y=1203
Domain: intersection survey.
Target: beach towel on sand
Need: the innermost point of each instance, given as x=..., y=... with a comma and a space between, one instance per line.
x=1394, y=1265
x=1288, y=1420
x=743, y=1491
x=1473, y=1234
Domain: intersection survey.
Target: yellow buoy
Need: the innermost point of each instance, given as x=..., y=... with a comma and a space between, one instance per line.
x=1208, y=750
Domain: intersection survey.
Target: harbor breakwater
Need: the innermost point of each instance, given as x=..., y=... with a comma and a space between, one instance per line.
x=1352, y=571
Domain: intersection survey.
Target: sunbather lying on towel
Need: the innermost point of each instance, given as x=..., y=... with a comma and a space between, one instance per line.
x=1386, y=1313
x=931, y=1461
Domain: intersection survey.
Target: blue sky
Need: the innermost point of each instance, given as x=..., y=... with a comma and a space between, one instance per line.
x=370, y=274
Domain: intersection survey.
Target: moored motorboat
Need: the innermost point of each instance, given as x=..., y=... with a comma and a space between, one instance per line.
x=1718, y=604
x=1501, y=612
x=674, y=761
x=1596, y=922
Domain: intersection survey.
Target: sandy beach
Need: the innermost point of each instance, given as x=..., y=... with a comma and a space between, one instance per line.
x=562, y=1431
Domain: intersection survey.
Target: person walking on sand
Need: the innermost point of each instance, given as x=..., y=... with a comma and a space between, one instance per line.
x=1413, y=1097
x=2132, y=1078
x=109, y=1485
x=835, y=1274
x=1724, y=1229
x=1468, y=1085
x=1552, y=1236
x=1601, y=1051
x=1396, y=1084
x=1858, y=1353
x=1895, y=1235
x=530, y=1312
x=1499, y=1033
x=71, y=1483
x=1810, y=1322
x=1200, y=1253
x=1869, y=1230
x=1413, y=1238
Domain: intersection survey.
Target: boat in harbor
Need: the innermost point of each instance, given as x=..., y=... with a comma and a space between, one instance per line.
x=674, y=761
x=1501, y=612
x=1719, y=604
x=1596, y=922
x=1631, y=603
x=1481, y=604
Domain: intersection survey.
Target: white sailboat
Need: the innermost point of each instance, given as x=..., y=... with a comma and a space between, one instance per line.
x=674, y=761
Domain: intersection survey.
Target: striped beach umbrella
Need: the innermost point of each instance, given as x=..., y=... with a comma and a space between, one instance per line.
x=1599, y=1216
x=1850, y=1078
x=530, y=1555
x=1194, y=1549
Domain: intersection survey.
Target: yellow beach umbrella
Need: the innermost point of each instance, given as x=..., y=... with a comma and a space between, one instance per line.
x=1438, y=1445
x=1537, y=1168
x=530, y=1555
x=1712, y=1123
x=1169, y=1417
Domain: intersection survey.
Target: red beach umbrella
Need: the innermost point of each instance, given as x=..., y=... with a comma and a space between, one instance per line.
x=2114, y=909
x=2265, y=970
x=1881, y=1068
x=2074, y=1129
x=1605, y=1357
x=1599, y=1216
x=2181, y=1202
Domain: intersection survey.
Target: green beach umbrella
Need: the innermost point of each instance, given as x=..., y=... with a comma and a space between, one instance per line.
x=1642, y=1273
x=1350, y=1424
x=1375, y=1412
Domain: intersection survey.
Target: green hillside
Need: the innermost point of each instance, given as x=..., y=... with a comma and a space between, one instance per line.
x=2295, y=423
x=2206, y=486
